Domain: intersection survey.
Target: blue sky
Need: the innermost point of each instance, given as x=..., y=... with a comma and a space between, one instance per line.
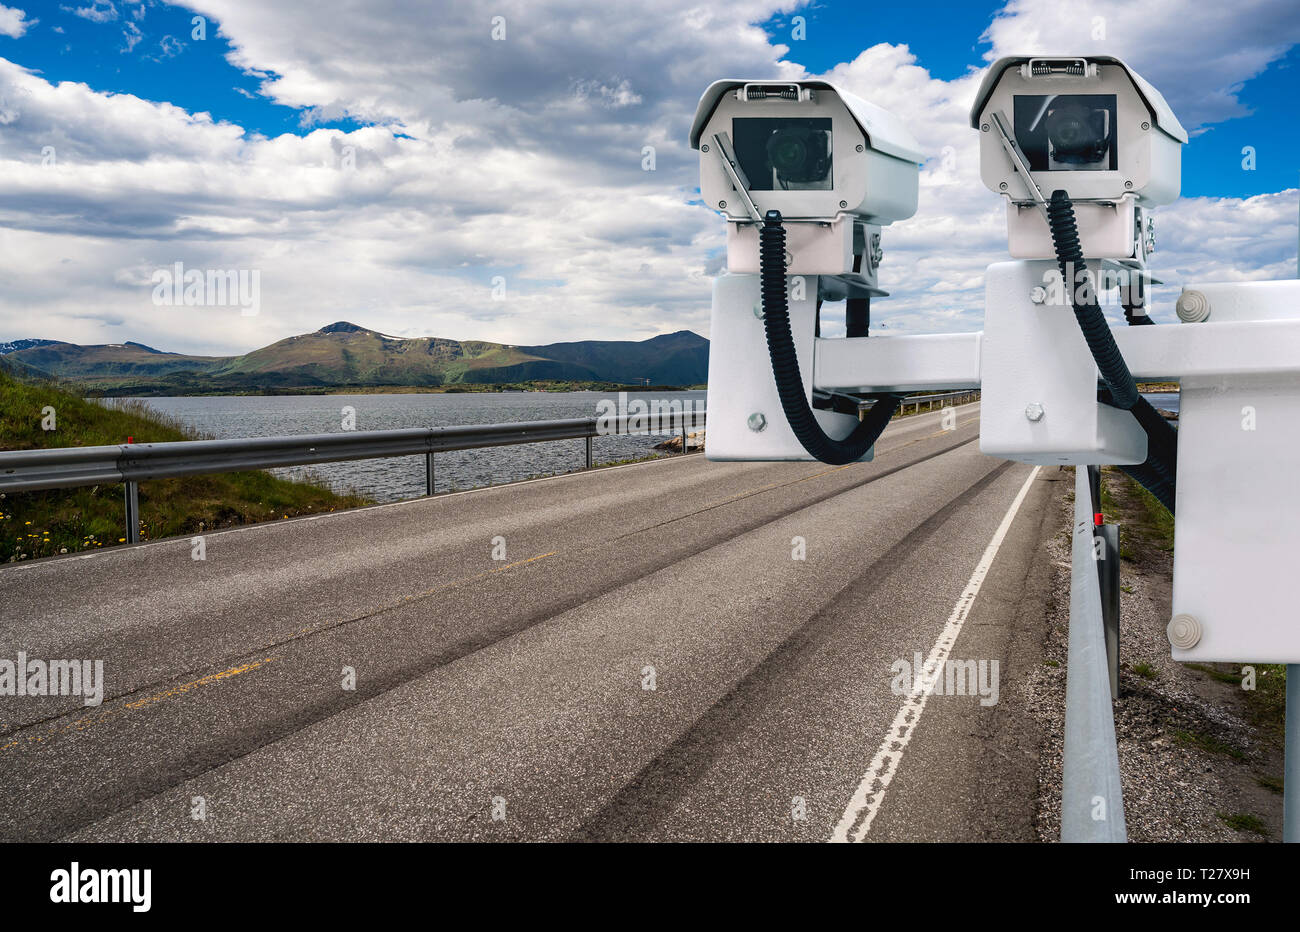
x=945, y=40
x=945, y=37
x=67, y=47
x=385, y=160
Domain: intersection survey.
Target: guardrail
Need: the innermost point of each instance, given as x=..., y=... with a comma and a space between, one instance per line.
x=132, y=463
x=929, y=400
x=1092, y=803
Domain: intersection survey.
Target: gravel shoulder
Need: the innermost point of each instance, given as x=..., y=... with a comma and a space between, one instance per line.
x=1200, y=756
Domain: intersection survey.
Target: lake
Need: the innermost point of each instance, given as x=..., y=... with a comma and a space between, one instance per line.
x=396, y=478
x=402, y=477
x=1166, y=400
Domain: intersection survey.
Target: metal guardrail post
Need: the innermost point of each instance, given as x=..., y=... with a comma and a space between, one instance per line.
x=132, y=512
x=1106, y=540
x=590, y=440
x=1291, y=767
x=684, y=428
x=1092, y=801
x=1108, y=534
x=428, y=473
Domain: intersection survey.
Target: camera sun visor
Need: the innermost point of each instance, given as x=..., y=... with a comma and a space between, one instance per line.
x=784, y=154
x=1067, y=132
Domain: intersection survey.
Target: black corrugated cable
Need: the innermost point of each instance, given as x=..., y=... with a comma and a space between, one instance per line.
x=1159, y=472
x=785, y=363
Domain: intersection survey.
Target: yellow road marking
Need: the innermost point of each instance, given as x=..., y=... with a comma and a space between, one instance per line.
x=201, y=681
x=82, y=723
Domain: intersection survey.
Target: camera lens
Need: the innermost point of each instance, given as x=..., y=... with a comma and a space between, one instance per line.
x=1078, y=134
x=798, y=154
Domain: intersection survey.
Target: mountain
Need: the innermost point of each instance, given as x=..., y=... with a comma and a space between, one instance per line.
x=112, y=360
x=14, y=346
x=344, y=354
x=680, y=358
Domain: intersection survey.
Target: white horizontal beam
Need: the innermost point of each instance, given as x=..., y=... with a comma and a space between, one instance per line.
x=1157, y=352
x=898, y=363
x=1229, y=348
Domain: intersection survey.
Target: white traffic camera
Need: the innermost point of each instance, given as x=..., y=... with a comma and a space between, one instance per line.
x=830, y=162
x=1089, y=126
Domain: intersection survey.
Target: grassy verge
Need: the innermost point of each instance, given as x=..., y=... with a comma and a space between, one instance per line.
x=39, y=524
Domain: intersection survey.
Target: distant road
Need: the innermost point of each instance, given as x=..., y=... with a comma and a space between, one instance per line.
x=519, y=685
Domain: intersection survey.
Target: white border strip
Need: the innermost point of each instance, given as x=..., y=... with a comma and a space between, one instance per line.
x=864, y=805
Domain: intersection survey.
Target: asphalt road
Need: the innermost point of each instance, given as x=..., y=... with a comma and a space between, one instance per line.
x=629, y=653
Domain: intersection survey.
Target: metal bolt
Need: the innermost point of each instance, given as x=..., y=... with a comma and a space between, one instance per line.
x=1128, y=184
x=1034, y=411
x=844, y=203
x=1003, y=186
x=861, y=148
x=705, y=147
x=757, y=421
x=984, y=128
x=1192, y=307
x=1146, y=125
x=1184, y=632
x=722, y=205
x=1038, y=295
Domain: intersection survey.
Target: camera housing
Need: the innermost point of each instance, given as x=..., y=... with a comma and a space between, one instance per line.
x=830, y=162
x=1088, y=125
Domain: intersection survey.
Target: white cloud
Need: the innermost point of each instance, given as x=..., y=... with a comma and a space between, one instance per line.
x=1199, y=54
x=131, y=36
x=519, y=158
x=99, y=11
x=14, y=22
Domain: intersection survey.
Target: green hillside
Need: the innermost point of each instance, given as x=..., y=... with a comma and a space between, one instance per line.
x=345, y=355
x=38, y=524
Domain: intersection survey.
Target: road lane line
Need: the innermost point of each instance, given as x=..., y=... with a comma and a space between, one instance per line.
x=81, y=724
x=865, y=804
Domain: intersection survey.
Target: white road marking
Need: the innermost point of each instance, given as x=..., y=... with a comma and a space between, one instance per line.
x=864, y=805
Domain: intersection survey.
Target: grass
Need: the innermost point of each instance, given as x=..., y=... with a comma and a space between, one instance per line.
x=1145, y=670
x=1244, y=822
x=1154, y=518
x=1232, y=679
x=1270, y=782
x=1208, y=743
x=39, y=524
x=1266, y=703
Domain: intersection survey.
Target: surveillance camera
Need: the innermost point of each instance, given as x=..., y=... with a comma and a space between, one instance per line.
x=1091, y=127
x=830, y=162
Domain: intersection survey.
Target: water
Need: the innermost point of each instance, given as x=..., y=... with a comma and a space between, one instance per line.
x=396, y=478
x=1166, y=400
